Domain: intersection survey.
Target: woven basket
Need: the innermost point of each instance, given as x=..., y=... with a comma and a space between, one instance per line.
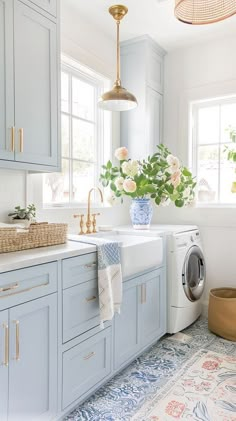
x=222, y=312
x=37, y=235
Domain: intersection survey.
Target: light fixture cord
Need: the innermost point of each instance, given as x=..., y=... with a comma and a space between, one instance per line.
x=118, y=53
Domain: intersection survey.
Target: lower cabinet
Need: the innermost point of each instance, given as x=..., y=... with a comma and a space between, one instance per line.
x=142, y=317
x=28, y=379
x=85, y=365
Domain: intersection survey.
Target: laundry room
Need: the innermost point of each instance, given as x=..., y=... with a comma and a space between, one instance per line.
x=117, y=213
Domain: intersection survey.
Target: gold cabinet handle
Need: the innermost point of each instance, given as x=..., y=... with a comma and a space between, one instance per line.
x=6, y=339
x=13, y=139
x=89, y=356
x=9, y=288
x=88, y=300
x=17, y=356
x=90, y=265
x=21, y=132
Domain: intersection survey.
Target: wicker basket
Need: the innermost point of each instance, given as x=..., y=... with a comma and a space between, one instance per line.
x=222, y=312
x=37, y=235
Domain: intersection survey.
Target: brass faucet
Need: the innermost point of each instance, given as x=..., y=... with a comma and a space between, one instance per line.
x=91, y=222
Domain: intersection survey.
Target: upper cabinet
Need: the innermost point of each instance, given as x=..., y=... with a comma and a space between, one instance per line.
x=142, y=62
x=29, y=50
x=49, y=6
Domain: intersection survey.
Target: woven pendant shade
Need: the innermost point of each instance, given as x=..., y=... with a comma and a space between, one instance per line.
x=201, y=12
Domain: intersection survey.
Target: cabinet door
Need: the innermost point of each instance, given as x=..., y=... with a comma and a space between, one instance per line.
x=3, y=364
x=49, y=6
x=35, y=43
x=6, y=80
x=127, y=341
x=33, y=360
x=154, y=120
x=151, y=309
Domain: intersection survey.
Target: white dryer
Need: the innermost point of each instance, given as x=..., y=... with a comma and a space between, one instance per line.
x=186, y=272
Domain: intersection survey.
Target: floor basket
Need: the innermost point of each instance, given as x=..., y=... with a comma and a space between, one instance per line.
x=222, y=312
x=37, y=235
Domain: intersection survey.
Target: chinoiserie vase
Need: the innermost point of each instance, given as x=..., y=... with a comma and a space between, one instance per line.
x=141, y=213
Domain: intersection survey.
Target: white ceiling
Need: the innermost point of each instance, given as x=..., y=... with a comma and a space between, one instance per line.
x=153, y=17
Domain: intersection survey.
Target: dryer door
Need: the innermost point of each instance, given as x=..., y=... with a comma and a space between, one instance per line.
x=193, y=274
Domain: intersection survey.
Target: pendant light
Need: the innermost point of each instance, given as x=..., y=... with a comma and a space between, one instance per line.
x=118, y=99
x=201, y=12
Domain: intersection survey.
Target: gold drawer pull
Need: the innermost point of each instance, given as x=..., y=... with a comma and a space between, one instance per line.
x=93, y=298
x=13, y=139
x=21, y=132
x=90, y=265
x=17, y=323
x=11, y=287
x=89, y=356
x=6, y=338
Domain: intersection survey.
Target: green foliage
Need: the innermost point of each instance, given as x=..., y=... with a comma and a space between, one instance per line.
x=155, y=177
x=24, y=213
x=231, y=153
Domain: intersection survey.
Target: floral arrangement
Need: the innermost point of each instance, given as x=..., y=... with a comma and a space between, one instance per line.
x=160, y=177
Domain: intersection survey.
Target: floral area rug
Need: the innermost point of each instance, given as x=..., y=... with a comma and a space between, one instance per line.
x=190, y=376
x=204, y=389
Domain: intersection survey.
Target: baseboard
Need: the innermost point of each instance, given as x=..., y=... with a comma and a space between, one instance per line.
x=205, y=308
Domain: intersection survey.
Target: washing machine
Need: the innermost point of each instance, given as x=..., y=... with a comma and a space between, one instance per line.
x=185, y=272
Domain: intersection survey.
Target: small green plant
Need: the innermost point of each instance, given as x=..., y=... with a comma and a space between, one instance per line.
x=28, y=213
x=231, y=153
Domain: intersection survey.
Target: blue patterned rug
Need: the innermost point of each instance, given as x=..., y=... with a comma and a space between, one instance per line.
x=123, y=396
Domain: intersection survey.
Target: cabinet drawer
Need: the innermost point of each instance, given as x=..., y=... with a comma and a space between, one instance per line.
x=85, y=365
x=77, y=270
x=22, y=285
x=80, y=309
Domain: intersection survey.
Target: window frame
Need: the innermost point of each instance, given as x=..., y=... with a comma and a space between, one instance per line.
x=195, y=106
x=103, y=152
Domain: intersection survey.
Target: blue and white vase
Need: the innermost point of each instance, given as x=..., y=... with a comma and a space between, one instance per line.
x=141, y=213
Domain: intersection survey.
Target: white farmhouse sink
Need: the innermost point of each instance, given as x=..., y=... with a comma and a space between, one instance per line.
x=138, y=253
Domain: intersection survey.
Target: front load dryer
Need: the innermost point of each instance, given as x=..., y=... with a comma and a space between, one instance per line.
x=186, y=273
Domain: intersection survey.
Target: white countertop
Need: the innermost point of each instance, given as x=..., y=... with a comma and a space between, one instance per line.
x=37, y=256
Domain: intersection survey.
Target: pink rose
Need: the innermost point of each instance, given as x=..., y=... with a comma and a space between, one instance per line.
x=121, y=153
x=129, y=186
x=175, y=179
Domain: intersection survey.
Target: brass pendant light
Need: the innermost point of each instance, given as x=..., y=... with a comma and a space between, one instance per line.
x=201, y=12
x=118, y=99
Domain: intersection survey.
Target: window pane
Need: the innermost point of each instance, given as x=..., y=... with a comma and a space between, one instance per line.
x=65, y=136
x=83, y=140
x=208, y=125
x=227, y=177
x=83, y=99
x=64, y=92
x=56, y=185
x=83, y=180
x=228, y=119
x=208, y=168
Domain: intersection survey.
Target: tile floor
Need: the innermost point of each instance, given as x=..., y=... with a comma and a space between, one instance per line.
x=127, y=392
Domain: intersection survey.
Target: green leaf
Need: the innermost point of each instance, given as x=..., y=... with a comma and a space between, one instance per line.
x=113, y=187
x=186, y=172
x=158, y=200
x=109, y=165
x=179, y=203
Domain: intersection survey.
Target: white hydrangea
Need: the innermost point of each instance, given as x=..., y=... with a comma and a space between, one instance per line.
x=130, y=168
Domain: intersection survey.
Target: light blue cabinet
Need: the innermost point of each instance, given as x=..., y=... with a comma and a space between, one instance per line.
x=142, y=318
x=6, y=80
x=29, y=87
x=85, y=365
x=4, y=360
x=142, y=63
x=33, y=360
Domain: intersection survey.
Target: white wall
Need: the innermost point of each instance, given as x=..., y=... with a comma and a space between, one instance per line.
x=12, y=191
x=201, y=71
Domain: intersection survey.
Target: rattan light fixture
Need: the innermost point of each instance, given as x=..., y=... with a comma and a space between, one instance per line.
x=201, y=12
x=118, y=99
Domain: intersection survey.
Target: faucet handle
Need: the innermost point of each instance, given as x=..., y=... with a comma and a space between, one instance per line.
x=81, y=224
x=94, y=221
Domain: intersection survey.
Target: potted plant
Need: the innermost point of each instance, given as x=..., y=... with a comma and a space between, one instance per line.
x=159, y=177
x=23, y=216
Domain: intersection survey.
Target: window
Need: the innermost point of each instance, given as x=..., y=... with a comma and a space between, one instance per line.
x=85, y=135
x=213, y=123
